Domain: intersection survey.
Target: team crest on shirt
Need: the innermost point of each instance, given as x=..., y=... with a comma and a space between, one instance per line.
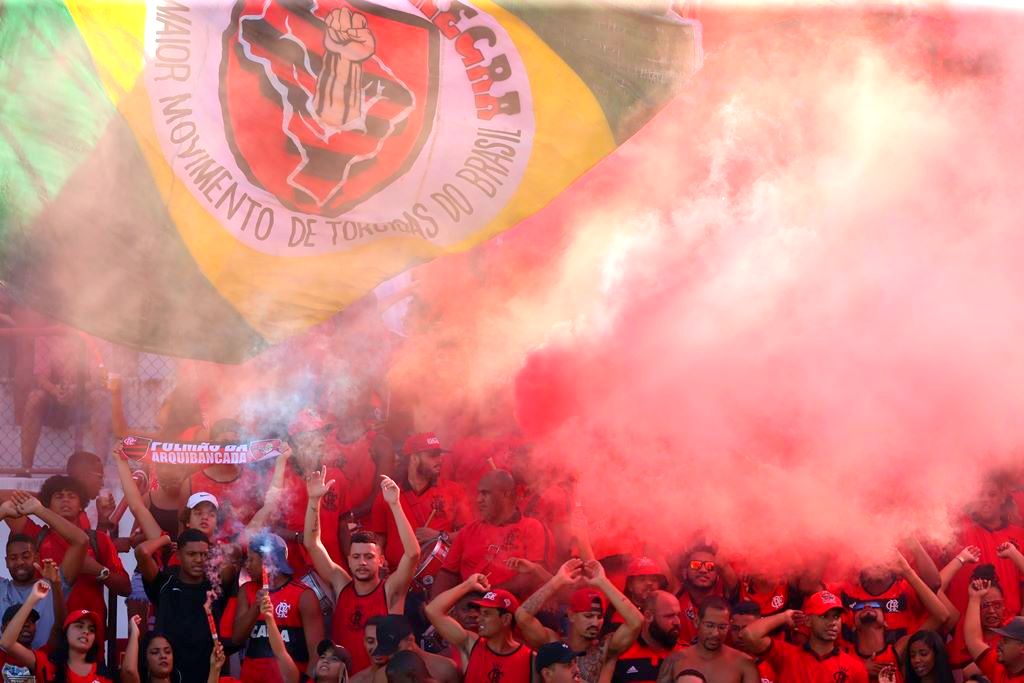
x=777, y=601
x=495, y=674
x=282, y=609
x=511, y=540
x=892, y=606
x=840, y=676
x=356, y=620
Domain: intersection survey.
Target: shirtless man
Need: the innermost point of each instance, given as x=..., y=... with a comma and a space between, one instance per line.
x=710, y=655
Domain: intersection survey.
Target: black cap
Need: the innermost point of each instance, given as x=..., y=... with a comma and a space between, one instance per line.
x=551, y=654
x=1013, y=630
x=392, y=629
x=13, y=609
x=327, y=644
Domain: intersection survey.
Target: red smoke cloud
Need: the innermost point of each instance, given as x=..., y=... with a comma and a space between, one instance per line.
x=786, y=314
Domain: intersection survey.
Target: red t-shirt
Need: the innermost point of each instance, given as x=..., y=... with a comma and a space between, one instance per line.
x=87, y=592
x=956, y=648
x=993, y=670
x=771, y=602
x=902, y=607
x=485, y=548
x=445, y=500
x=794, y=664
x=988, y=541
x=350, y=616
x=46, y=672
x=887, y=657
x=292, y=515
x=688, y=612
x=355, y=460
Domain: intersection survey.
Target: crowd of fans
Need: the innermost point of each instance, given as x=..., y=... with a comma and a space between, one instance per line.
x=365, y=555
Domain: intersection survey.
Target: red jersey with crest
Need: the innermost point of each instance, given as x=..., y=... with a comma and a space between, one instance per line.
x=903, y=610
x=795, y=664
x=487, y=666
x=259, y=663
x=989, y=540
x=46, y=671
x=771, y=601
x=886, y=658
x=444, y=504
x=350, y=616
x=355, y=460
x=293, y=516
x=485, y=548
x=993, y=670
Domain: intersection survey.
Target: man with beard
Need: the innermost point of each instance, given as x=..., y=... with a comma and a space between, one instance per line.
x=820, y=658
x=502, y=533
x=492, y=653
x=433, y=505
x=361, y=593
x=702, y=576
x=710, y=655
x=658, y=639
x=878, y=645
x=1007, y=662
x=23, y=556
x=585, y=617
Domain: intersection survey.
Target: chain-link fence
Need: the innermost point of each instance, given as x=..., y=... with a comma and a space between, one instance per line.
x=30, y=415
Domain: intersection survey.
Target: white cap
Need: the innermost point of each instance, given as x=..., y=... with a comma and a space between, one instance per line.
x=201, y=497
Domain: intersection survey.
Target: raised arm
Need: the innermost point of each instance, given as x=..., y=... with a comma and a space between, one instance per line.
x=143, y=517
x=261, y=519
x=756, y=633
x=328, y=570
x=974, y=637
x=397, y=585
x=451, y=630
x=17, y=652
x=1012, y=553
x=289, y=671
x=625, y=635
x=217, y=659
x=130, y=667
x=144, y=556
x=969, y=555
x=535, y=633
x=77, y=539
x=926, y=568
x=937, y=612
x=48, y=570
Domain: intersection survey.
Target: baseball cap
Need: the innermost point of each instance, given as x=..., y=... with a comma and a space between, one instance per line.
x=80, y=614
x=327, y=644
x=424, y=441
x=586, y=600
x=551, y=654
x=1014, y=630
x=499, y=599
x=821, y=602
x=201, y=497
x=643, y=566
x=273, y=550
x=308, y=420
x=13, y=609
x=391, y=631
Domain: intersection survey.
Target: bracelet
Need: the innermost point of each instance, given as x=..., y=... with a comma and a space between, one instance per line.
x=962, y=563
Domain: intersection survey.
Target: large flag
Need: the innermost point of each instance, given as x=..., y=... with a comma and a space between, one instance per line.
x=203, y=177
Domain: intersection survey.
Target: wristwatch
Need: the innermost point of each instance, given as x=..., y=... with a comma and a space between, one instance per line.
x=103, y=575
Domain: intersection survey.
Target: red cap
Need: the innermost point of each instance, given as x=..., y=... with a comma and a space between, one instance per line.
x=308, y=420
x=821, y=602
x=586, y=599
x=644, y=566
x=424, y=441
x=499, y=599
x=80, y=614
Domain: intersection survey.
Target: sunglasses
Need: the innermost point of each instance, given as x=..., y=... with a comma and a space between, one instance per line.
x=707, y=565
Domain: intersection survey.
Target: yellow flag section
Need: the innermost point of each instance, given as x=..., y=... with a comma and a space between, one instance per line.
x=280, y=293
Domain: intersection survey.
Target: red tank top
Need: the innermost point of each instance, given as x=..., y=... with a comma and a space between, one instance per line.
x=487, y=666
x=259, y=663
x=350, y=617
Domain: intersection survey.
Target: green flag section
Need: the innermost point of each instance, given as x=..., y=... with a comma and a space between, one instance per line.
x=203, y=178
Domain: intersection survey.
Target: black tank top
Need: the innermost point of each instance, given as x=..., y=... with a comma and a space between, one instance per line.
x=167, y=519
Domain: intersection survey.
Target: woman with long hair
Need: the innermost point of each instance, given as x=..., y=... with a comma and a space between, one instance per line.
x=926, y=660
x=149, y=658
x=76, y=651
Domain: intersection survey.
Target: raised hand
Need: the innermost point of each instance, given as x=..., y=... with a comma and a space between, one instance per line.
x=266, y=607
x=26, y=503
x=570, y=572
x=521, y=565
x=887, y=674
x=9, y=510
x=348, y=36
x=133, y=626
x=978, y=588
x=593, y=572
x=217, y=657
x=40, y=589
x=478, y=582
x=1007, y=550
x=349, y=42
x=389, y=490
x=970, y=554
x=316, y=487
x=48, y=570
